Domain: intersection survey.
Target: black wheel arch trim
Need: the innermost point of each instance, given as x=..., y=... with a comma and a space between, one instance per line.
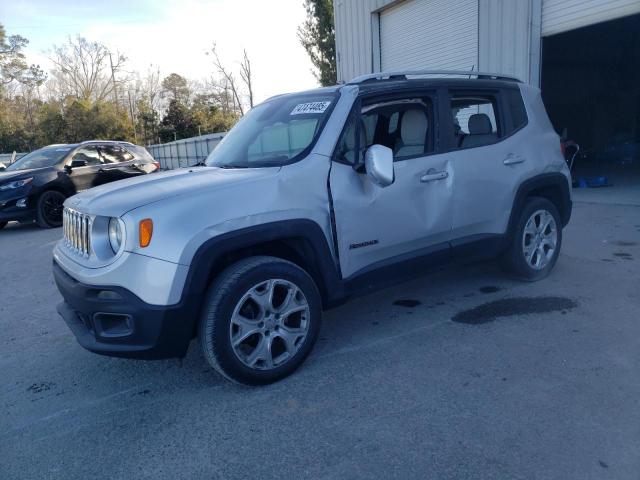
x=555, y=181
x=304, y=236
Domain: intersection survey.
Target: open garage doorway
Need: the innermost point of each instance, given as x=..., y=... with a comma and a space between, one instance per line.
x=591, y=88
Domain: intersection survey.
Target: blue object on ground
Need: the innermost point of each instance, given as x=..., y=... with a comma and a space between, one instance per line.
x=593, y=182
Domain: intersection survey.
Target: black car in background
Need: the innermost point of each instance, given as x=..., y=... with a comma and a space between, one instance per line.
x=36, y=186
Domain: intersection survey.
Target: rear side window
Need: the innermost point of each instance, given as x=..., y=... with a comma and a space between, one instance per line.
x=516, y=109
x=475, y=119
x=115, y=154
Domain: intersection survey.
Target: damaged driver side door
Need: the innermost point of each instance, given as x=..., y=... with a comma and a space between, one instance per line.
x=377, y=226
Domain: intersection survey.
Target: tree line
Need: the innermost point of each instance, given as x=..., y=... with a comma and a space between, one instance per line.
x=91, y=92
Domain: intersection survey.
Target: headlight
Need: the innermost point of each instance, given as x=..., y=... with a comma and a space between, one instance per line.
x=115, y=234
x=16, y=184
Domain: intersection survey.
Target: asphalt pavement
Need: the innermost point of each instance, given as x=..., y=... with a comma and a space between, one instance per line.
x=461, y=374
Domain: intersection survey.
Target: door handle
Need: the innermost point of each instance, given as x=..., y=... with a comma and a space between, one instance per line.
x=432, y=175
x=513, y=159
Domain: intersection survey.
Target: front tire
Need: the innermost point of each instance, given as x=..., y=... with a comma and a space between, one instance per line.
x=261, y=319
x=49, y=209
x=536, y=241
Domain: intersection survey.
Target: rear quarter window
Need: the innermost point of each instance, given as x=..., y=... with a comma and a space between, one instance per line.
x=516, y=109
x=140, y=152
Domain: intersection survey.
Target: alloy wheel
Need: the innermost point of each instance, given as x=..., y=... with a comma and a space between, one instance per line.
x=269, y=324
x=540, y=239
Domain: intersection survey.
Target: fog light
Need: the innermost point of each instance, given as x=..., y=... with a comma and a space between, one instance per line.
x=108, y=295
x=22, y=203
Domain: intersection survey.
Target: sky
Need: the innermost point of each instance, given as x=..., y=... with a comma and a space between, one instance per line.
x=175, y=35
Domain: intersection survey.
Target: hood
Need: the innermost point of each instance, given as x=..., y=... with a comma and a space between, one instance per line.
x=117, y=198
x=11, y=175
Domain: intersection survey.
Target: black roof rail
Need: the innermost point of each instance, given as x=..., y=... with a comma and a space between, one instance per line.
x=402, y=75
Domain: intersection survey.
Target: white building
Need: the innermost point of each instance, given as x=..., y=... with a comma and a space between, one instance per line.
x=585, y=54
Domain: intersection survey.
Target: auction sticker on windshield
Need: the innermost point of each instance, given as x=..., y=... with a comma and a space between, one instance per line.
x=311, y=107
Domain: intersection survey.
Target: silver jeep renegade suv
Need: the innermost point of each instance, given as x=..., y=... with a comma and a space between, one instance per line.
x=311, y=198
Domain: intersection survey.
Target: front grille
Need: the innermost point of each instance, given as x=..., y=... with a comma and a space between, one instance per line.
x=76, y=228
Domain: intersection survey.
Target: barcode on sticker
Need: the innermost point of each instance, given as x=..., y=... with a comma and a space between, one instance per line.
x=311, y=107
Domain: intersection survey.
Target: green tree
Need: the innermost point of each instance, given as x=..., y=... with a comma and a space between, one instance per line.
x=13, y=66
x=51, y=124
x=147, y=122
x=177, y=123
x=209, y=116
x=317, y=36
x=176, y=87
x=76, y=120
x=86, y=120
x=13, y=132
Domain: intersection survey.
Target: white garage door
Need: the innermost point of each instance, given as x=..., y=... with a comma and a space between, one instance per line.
x=429, y=34
x=563, y=15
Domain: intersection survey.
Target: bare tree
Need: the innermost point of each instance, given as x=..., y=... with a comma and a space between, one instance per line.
x=222, y=93
x=245, y=74
x=152, y=86
x=228, y=78
x=85, y=69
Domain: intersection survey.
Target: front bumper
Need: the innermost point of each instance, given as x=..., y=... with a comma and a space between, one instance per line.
x=9, y=211
x=111, y=320
x=18, y=215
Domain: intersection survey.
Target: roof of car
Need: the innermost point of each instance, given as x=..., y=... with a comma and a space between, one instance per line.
x=398, y=83
x=409, y=83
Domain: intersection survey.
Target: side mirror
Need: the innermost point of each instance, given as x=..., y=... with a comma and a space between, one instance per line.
x=76, y=164
x=378, y=163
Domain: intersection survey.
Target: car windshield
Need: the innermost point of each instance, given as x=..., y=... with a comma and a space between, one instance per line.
x=45, y=157
x=273, y=133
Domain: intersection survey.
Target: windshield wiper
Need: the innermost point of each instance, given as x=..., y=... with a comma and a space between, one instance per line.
x=274, y=161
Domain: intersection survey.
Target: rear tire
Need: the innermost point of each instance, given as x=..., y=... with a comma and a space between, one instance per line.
x=260, y=321
x=49, y=209
x=536, y=241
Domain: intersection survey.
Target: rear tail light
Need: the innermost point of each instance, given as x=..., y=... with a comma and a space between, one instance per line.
x=157, y=165
x=563, y=148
